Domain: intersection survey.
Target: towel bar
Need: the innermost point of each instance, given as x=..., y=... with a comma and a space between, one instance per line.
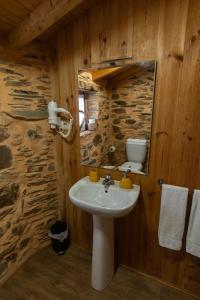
x=161, y=181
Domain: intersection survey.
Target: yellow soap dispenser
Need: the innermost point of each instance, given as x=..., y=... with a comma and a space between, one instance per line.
x=125, y=181
x=94, y=175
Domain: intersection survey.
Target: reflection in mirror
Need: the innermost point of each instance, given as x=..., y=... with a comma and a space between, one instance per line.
x=115, y=116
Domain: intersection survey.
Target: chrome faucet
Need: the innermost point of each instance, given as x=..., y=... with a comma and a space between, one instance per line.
x=107, y=182
x=128, y=171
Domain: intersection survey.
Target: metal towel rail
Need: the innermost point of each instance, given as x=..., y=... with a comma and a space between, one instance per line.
x=161, y=181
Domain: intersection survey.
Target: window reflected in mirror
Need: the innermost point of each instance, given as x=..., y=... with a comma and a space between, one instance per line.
x=115, y=116
x=82, y=117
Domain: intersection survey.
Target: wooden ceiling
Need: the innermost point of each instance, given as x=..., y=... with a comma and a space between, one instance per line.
x=22, y=21
x=12, y=12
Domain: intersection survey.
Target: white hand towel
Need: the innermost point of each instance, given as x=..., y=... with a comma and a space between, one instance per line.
x=172, y=216
x=193, y=234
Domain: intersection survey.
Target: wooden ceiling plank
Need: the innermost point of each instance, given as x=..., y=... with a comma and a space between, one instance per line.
x=9, y=16
x=14, y=8
x=30, y=5
x=4, y=26
x=7, y=21
x=42, y=18
x=12, y=12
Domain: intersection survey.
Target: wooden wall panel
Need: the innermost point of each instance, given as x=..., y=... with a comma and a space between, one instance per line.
x=167, y=31
x=100, y=31
x=145, y=18
x=187, y=136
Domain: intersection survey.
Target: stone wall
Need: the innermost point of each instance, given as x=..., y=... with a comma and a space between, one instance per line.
x=131, y=104
x=28, y=184
x=92, y=143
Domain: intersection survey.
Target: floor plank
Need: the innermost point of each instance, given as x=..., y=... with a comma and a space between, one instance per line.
x=47, y=276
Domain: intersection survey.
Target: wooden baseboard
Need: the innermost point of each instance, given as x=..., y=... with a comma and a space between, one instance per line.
x=162, y=282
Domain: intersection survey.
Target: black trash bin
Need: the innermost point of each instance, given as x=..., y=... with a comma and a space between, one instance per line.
x=60, y=237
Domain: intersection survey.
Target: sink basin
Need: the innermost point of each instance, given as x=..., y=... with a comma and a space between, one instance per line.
x=104, y=206
x=92, y=198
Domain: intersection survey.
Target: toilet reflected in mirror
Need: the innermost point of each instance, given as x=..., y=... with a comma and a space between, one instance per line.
x=115, y=115
x=136, y=151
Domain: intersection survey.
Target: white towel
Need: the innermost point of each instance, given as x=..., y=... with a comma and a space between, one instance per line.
x=172, y=216
x=193, y=234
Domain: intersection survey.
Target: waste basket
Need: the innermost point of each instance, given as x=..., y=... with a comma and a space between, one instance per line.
x=60, y=238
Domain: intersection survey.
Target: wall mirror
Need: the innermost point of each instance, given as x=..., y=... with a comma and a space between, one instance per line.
x=115, y=115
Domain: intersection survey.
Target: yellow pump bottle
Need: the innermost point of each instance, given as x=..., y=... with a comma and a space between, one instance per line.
x=126, y=182
x=94, y=175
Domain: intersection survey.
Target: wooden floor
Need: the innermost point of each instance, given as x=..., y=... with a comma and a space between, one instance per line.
x=48, y=276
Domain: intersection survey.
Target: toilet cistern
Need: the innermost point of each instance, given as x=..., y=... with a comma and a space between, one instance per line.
x=136, y=151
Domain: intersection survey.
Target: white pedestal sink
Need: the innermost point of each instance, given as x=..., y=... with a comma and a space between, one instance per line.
x=117, y=202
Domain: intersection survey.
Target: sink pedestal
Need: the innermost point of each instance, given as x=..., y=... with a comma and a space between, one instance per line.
x=103, y=252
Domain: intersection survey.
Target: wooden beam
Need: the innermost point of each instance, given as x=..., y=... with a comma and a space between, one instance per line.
x=45, y=16
x=130, y=70
x=98, y=74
